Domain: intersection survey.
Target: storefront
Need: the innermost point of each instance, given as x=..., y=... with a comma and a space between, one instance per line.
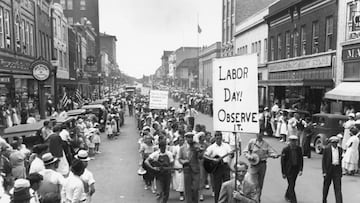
x=18, y=90
x=301, y=82
x=347, y=94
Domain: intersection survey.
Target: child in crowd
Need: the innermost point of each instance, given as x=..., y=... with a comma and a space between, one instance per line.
x=97, y=141
x=109, y=130
x=146, y=148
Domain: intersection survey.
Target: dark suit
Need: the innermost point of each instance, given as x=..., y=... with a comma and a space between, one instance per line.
x=191, y=171
x=251, y=194
x=291, y=164
x=332, y=173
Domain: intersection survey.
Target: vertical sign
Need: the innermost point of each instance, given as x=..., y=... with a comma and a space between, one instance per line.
x=158, y=99
x=235, y=94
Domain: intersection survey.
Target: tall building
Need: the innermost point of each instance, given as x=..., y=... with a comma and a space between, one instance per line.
x=108, y=44
x=302, y=42
x=82, y=12
x=233, y=13
x=347, y=77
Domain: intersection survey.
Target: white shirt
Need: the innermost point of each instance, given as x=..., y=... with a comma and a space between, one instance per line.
x=88, y=178
x=155, y=155
x=216, y=150
x=65, y=135
x=335, y=155
x=73, y=189
x=36, y=165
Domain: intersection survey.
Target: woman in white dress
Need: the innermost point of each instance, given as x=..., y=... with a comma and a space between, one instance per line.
x=351, y=156
x=178, y=176
x=347, y=126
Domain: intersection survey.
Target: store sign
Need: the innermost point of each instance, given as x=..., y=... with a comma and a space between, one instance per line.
x=158, y=99
x=13, y=64
x=5, y=79
x=351, y=54
x=298, y=64
x=235, y=91
x=41, y=69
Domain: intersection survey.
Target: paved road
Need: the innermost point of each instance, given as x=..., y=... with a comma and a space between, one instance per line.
x=117, y=181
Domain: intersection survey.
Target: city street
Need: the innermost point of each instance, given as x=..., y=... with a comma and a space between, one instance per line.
x=117, y=180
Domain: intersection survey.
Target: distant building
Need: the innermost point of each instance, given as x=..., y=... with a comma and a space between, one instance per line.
x=108, y=45
x=206, y=58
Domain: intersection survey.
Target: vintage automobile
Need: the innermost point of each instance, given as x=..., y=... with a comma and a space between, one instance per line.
x=31, y=133
x=76, y=112
x=99, y=111
x=325, y=126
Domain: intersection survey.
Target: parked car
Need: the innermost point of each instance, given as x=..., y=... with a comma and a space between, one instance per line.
x=325, y=126
x=99, y=111
x=76, y=112
x=31, y=133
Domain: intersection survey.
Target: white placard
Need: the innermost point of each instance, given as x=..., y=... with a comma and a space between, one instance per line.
x=235, y=94
x=158, y=99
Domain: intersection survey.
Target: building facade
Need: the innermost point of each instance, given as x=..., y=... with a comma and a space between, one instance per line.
x=206, y=59
x=108, y=44
x=18, y=89
x=302, y=42
x=346, y=93
x=233, y=13
x=251, y=36
x=79, y=11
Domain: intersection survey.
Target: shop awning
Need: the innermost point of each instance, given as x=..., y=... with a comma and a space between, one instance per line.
x=345, y=91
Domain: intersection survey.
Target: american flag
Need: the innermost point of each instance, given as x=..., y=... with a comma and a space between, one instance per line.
x=65, y=100
x=79, y=98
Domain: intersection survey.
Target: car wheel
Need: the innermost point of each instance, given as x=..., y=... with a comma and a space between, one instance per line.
x=318, y=146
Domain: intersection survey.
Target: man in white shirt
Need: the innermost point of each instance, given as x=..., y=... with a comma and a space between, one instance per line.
x=52, y=180
x=332, y=170
x=214, y=153
x=73, y=190
x=87, y=177
x=37, y=164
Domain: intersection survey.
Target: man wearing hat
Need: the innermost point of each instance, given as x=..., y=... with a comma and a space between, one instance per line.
x=291, y=166
x=332, y=170
x=53, y=181
x=87, y=177
x=190, y=155
x=37, y=164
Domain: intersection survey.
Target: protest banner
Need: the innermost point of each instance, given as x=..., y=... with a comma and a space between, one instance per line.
x=158, y=99
x=235, y=90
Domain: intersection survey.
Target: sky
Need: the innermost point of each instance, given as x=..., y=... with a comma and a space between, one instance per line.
x=145, y=28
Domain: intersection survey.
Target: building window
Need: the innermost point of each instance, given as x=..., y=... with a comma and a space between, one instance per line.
x=259, y=51
x=272, y=49
x=31, y=40
x=60, y=57
x=7, y=29
x=329, y=33
x=70, y=20
x=315, y=37
x=279, y=44
x=287, y=44
x=82, y=5
x=63, y=33
x=265, y=50
x=296, y=43
x=63, y=3
x=54, y=27
x=70, y=4
x=303, y=41
x=2, y=36
x=27, y=38
x=55, y=54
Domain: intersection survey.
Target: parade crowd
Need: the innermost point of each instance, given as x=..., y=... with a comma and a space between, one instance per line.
x=55, y=170
x=178, y=155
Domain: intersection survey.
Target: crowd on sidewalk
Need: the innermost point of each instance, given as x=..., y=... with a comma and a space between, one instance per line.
x=177, y=155
x=55, y=171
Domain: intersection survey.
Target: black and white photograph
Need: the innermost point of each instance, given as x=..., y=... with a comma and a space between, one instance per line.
x=171, y=101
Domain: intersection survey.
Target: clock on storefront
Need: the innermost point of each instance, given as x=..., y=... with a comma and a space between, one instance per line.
x=41, y=70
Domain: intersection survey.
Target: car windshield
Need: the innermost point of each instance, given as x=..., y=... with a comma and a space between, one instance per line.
x=320, y=121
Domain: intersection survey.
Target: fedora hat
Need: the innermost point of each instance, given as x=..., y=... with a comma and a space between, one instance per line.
x=82, y=155
x=293, y=137
x=48, y=159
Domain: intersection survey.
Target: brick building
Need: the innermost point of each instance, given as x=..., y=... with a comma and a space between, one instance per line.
x=302, y=43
